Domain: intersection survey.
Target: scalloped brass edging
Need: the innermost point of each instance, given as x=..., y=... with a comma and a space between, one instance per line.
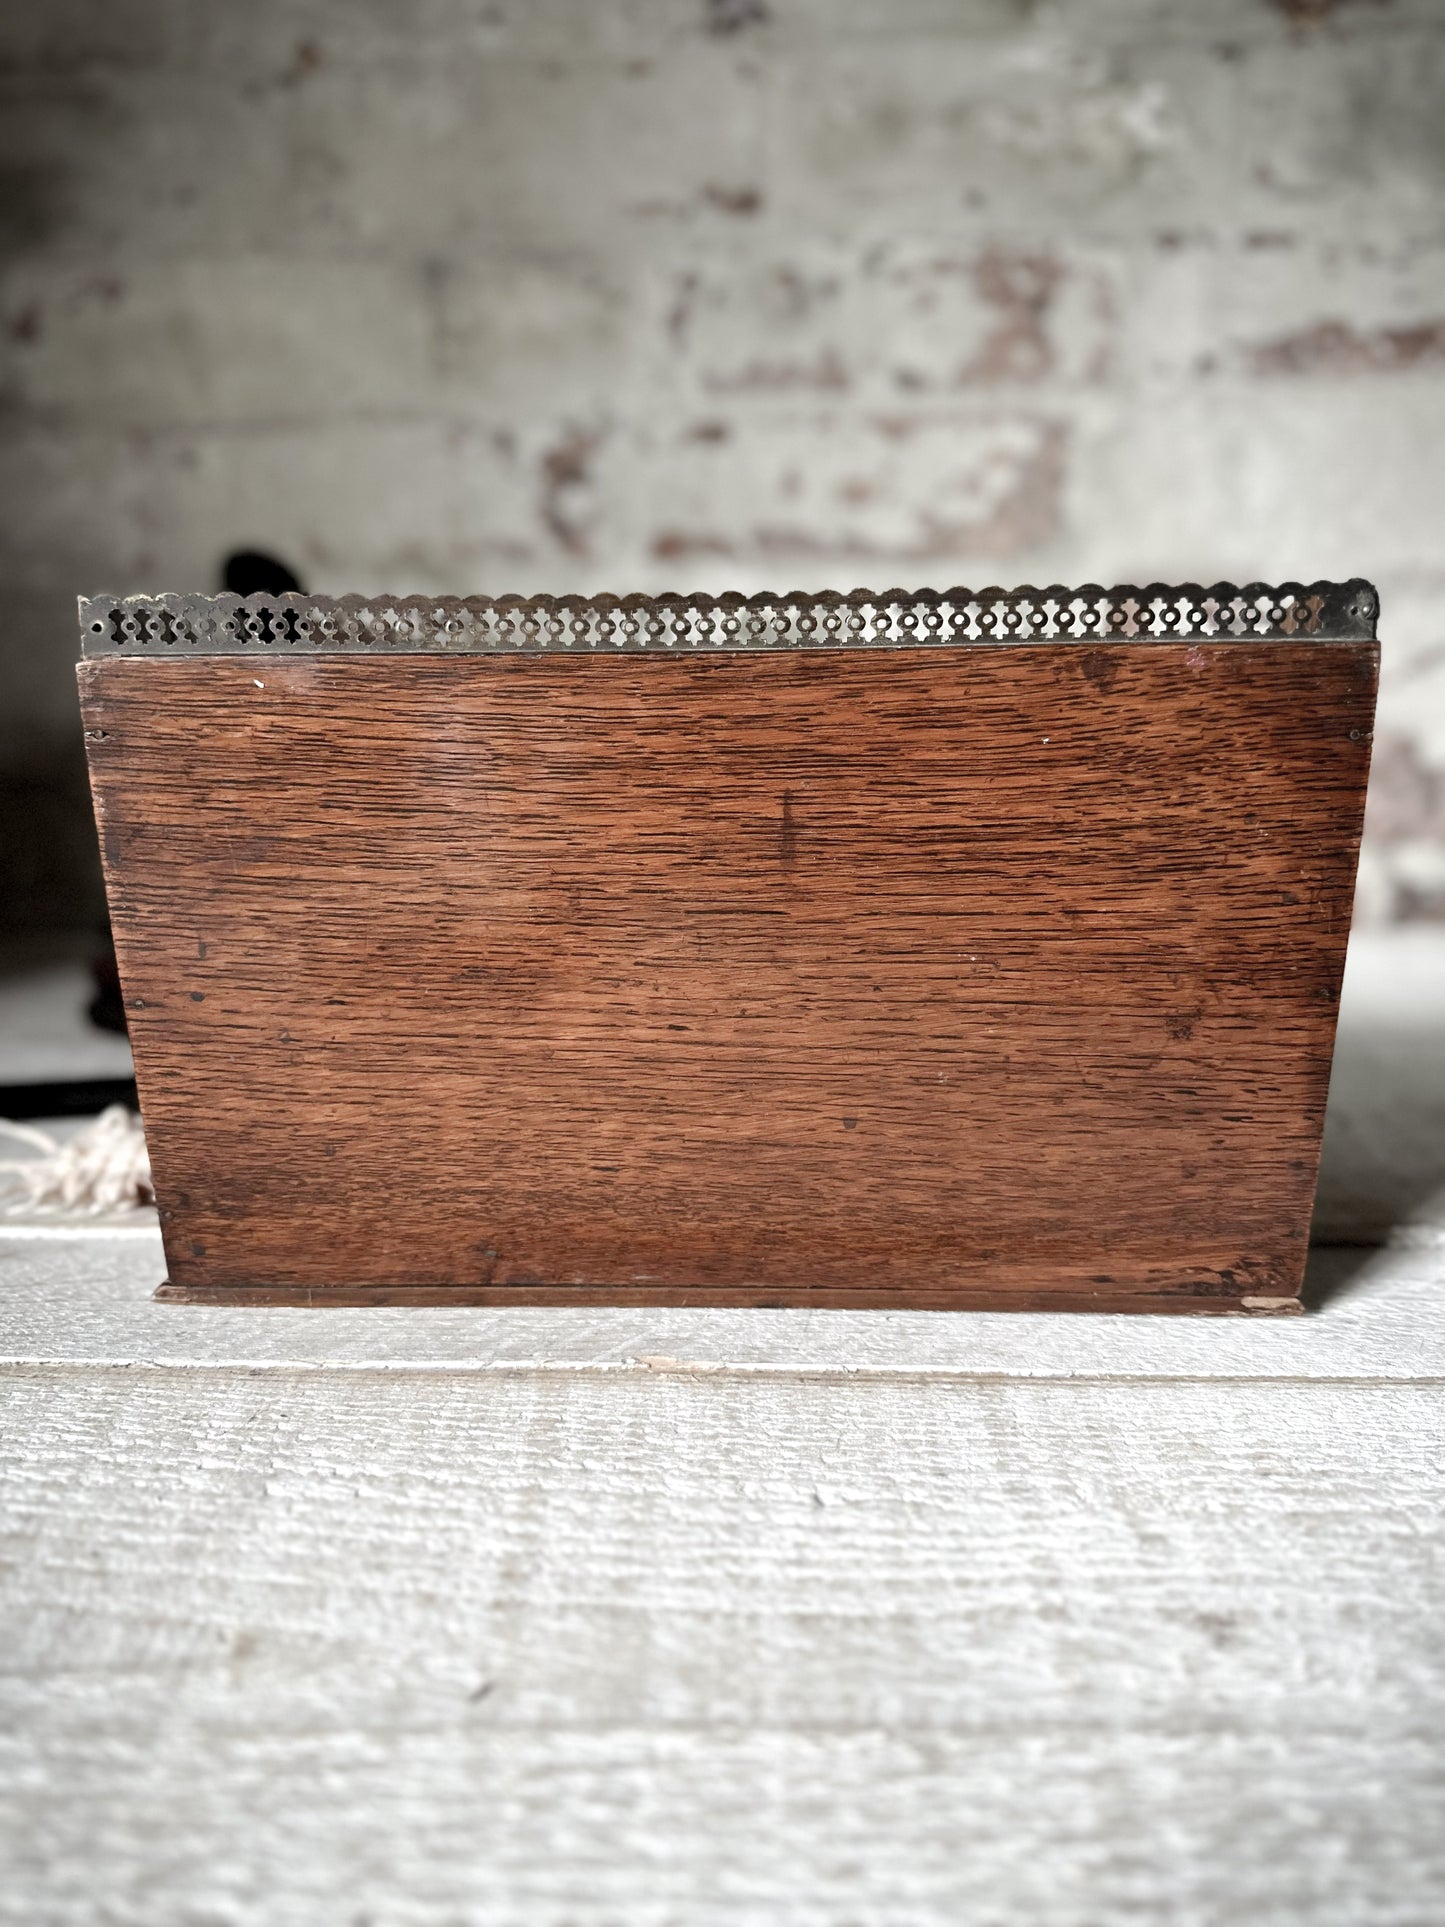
x=305, y=625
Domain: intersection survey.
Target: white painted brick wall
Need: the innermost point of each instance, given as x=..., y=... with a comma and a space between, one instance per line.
x=476, y=294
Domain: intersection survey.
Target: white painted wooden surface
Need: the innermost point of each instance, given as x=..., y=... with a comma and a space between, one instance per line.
x=553, y=1648
x=635, y=1619
x=84, y=1299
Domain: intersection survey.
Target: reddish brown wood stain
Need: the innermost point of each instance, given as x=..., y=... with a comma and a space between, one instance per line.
x=951, y=977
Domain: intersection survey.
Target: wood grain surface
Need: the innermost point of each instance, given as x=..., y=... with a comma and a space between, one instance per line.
x=929, y=977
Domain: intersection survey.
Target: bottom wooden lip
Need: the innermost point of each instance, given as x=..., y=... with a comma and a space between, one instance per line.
x=318, y=1297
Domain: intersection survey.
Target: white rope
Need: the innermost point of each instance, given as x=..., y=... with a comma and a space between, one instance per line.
x=104, y=1167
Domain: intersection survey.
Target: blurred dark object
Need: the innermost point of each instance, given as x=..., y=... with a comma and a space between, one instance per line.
x=74, y=1097
x=49, y=863
x=244, y=572
x=251, y=572
x=106, y=1009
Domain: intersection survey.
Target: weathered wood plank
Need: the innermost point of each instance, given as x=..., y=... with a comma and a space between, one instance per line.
x=301, y=1649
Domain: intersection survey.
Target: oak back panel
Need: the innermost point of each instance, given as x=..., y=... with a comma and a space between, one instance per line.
x=977, y=976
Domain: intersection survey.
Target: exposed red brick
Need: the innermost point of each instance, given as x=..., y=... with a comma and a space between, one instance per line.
x=1309, y=13
x=731, y=16
x=25, y=326
x=733, y=200
x=1032, y=512
x=1028, y=515
x=856, y=490
x=566, y=474
x=1022, y=288
x=1102, y=360
x=1406, y=805
x=680, y=311
x=678, y=545
x=1407, y=794
x=1335, y=348
x=897, y=428
x=798, y=292
x=305, y=61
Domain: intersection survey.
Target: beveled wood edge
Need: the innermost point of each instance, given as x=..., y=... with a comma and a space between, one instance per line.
x=561, y=1297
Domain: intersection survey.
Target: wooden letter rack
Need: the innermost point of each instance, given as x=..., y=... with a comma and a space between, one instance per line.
x=961, y=949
